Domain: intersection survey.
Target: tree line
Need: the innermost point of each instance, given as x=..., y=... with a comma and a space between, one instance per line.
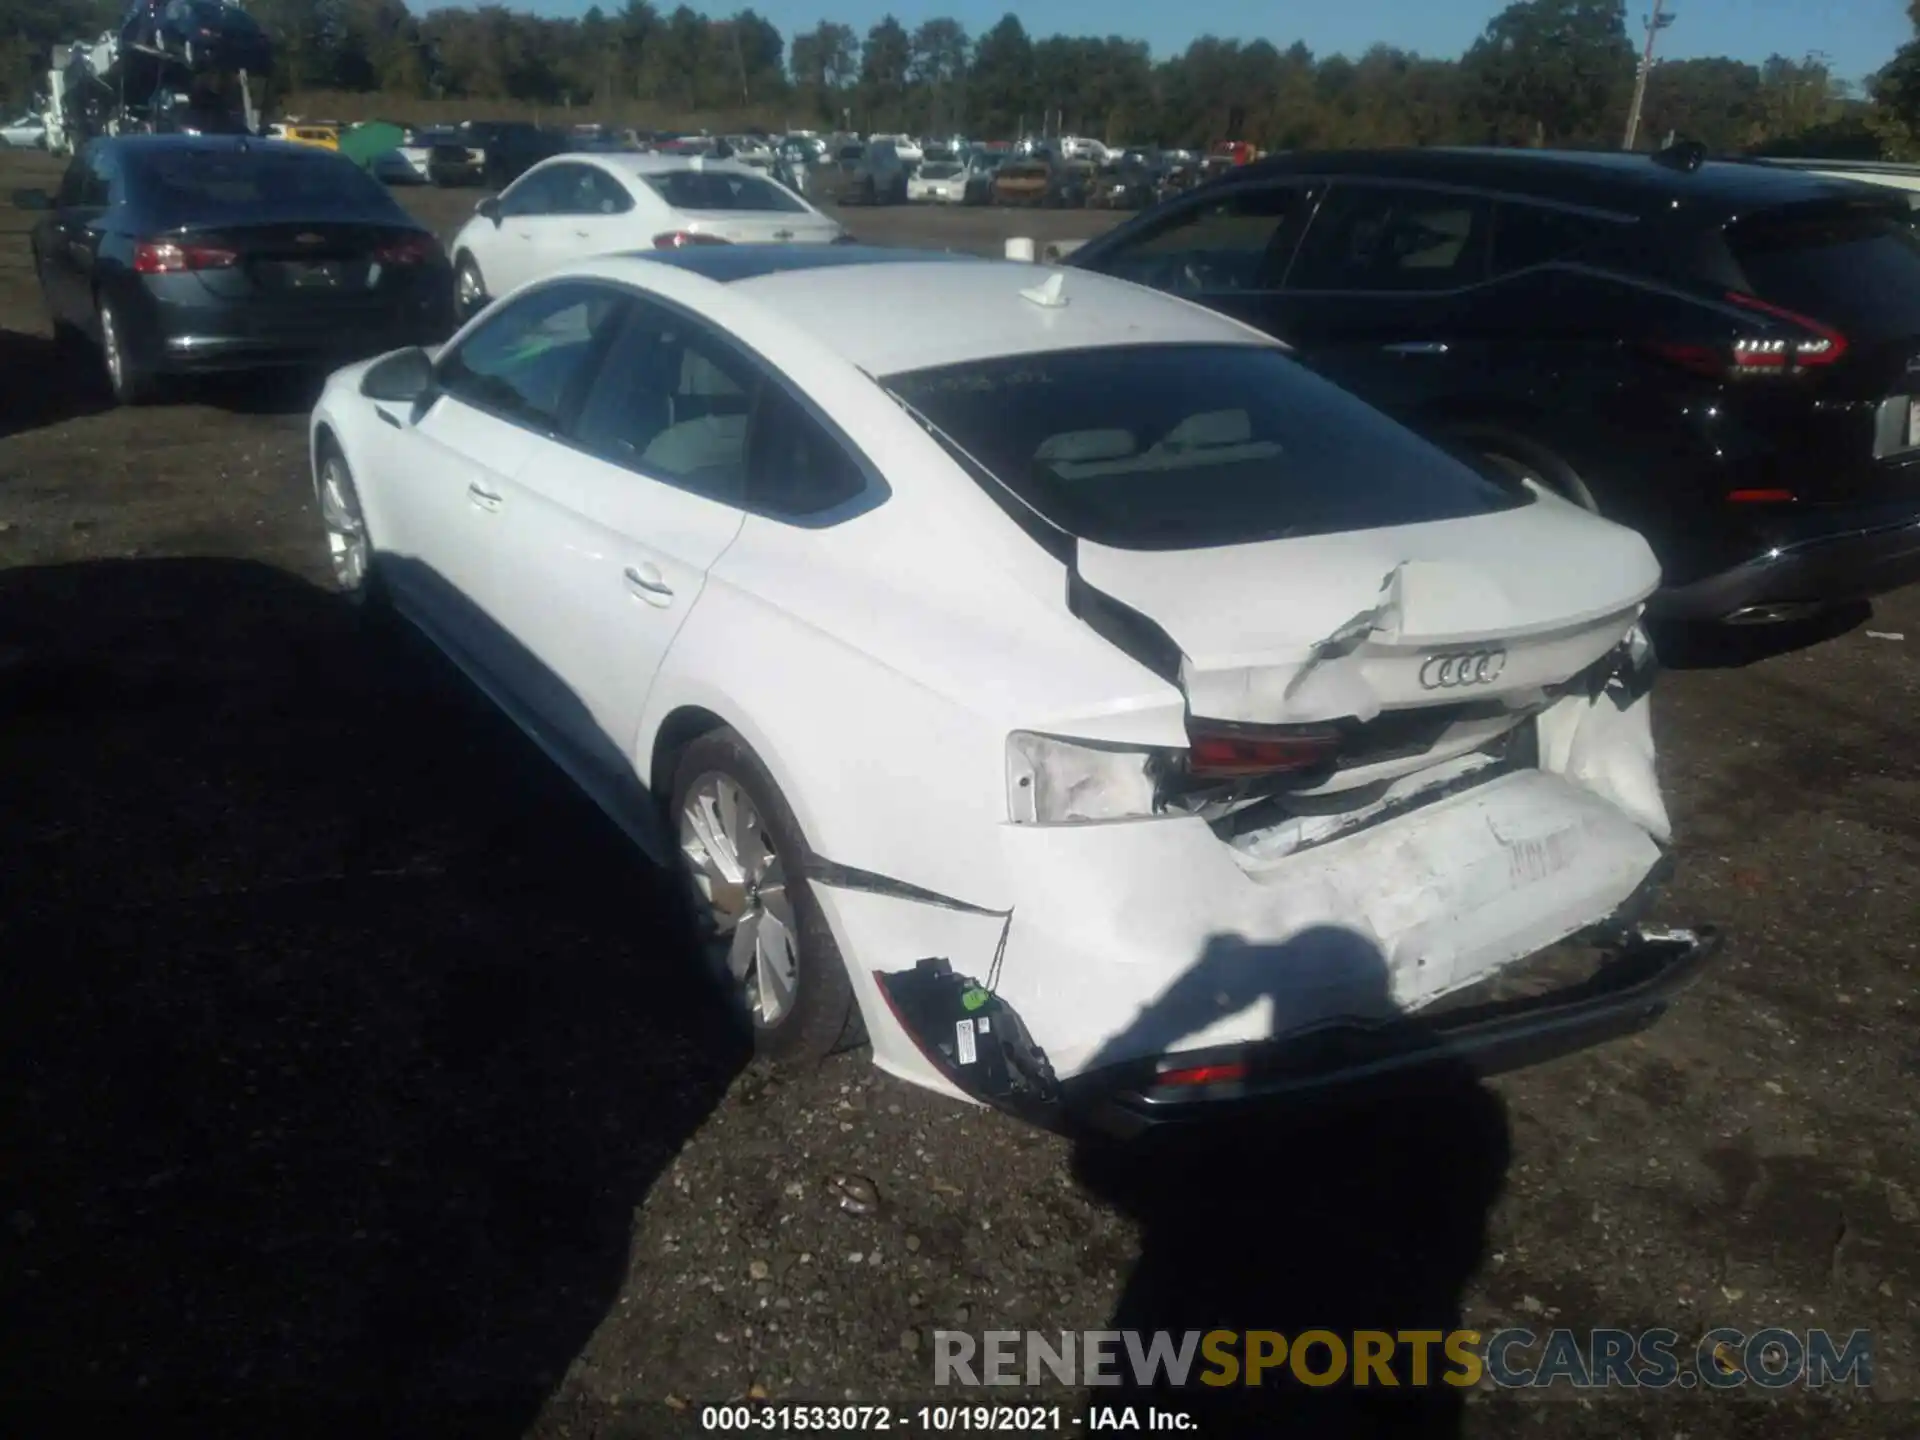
x=1544, y=72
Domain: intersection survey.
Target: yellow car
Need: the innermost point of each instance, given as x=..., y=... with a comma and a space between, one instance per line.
x=326, y=137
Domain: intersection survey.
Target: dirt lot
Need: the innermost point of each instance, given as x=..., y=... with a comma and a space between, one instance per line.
x=355, y=1082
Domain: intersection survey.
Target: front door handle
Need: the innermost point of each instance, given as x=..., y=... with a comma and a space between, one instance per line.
x=649, y=584
x=486, y=499
x=1418, y=347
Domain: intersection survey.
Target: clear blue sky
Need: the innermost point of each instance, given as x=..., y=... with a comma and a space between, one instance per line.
x=1858, y=35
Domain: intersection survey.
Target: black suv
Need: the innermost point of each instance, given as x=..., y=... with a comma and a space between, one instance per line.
x=1724, y=356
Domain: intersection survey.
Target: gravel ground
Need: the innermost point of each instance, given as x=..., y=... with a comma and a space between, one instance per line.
x=356, y=1082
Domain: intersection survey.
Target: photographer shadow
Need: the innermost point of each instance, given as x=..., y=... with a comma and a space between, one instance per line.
x=1361, y=1210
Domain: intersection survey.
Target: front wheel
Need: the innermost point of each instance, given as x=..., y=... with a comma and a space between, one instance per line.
x=767, y=938
x=469, y=289
x=349, y=548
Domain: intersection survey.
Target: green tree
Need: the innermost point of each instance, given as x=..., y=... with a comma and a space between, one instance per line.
x=1000, y=83
x=1557, y=72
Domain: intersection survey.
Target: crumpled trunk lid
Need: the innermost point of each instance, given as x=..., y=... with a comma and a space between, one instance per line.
x=1349, y=625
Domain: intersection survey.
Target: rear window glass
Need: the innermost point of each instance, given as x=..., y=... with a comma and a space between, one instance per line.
x=720, y=190
x=1856, y=266
x=195, y=184
x=1182, y=446
x=939, y=170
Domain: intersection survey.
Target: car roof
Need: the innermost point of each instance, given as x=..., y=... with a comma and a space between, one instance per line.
x=1613, y=179
x=913, y=310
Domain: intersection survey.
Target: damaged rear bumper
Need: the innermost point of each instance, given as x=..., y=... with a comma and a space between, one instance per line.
x=997, y=1062
x=1626, y=995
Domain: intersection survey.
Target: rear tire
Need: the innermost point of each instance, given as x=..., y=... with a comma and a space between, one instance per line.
x=130, y=382
x=1528, y=462
x=744, y=853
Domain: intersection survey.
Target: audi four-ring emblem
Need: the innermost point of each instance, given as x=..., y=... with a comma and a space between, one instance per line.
x=1457, y=672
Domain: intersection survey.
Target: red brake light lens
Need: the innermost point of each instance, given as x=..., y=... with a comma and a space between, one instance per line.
x=680, y=239
x=1231, y=752
x=1191, y=1075
x=1822, y=346
x=172, y=257
x=407, y=250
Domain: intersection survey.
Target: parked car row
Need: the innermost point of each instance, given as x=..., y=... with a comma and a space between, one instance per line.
x=1124, y=691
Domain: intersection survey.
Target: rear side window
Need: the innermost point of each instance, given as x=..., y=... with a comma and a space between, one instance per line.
x=179, y=186
x=1855, y=265
x=1387, y=238
x=721, y=190
x=1529, y=235
x=1174, y=447
x=794, y=467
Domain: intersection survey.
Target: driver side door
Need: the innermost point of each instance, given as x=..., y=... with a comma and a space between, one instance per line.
x=529, y=211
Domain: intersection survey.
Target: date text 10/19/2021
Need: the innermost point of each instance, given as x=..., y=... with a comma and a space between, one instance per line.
x=938, y=1419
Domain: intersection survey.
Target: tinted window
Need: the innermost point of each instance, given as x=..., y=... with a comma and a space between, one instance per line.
x=795, y=467
x=1182, y=446
x=721, y=190
x=1856, y=265
x=1529, y=235
x=526, y=361
x=1221, y=244
x=191, y=183
x=1389, y=239
x=671, y=401
x=939, y=170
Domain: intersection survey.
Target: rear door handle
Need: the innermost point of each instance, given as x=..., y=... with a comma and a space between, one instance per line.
x=649, y=584
x=484, y=498
x=1418, y=347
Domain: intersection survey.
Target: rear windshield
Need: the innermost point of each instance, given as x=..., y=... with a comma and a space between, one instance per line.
x=939, y=170
x=720, y=190
x=185, y=185
x=1171, y=447
x=1853, y=265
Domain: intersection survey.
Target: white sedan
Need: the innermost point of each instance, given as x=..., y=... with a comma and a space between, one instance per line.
x=1053, y=679
x=575, y=206
x=941, y=181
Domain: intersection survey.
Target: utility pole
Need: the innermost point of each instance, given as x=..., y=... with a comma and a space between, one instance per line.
x=1656, y=22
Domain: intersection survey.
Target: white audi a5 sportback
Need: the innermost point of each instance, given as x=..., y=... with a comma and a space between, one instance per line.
x=1046, y=675
x=575, y=206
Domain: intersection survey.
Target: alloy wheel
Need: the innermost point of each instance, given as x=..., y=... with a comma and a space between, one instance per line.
x=743, y=882
x=110, y=349
x=346, y=531
x=468, y=290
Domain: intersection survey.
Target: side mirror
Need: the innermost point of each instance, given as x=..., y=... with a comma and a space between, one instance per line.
x=32, y=200
x=489, y=207
x=404, y=377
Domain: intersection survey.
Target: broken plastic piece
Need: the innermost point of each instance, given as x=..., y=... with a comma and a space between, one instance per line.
x=972, y=1037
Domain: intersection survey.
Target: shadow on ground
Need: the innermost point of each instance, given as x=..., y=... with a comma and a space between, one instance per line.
x=48, y=384
x=1368, y=1213
x=341, y=1039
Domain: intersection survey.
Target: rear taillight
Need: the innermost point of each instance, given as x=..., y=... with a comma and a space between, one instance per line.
x=171, y=257
x=1227, y=1072
x=1815, y=346
x=1221, y=751
x=680, y=239
x=408, y=250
